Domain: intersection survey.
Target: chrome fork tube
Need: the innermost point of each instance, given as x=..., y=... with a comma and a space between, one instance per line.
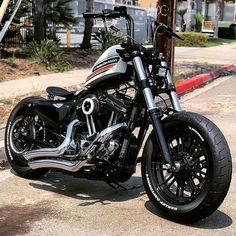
x=153, y=110
x=173, y=95
x=145, y=83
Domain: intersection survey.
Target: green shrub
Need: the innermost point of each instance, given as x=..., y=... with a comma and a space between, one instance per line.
x=48, y=53
x=109, y=38
x=60, y=66
x=192, y=39
x=199, y=18
x=227, y=33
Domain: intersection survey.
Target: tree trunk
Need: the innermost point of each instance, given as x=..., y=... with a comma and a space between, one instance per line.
x=88, y=26
x=39, y=21
x=222, y=8
x=167, y=46
x=235, y=12
x=206, y=10
x=217, y=17
x=189, y=16
x=198, y=6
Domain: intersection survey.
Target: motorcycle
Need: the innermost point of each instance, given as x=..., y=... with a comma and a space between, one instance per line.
x=98, y=132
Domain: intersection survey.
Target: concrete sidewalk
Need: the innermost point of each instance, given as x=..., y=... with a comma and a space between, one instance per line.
x=224, y=54
x=217, y=55
x=19, y=87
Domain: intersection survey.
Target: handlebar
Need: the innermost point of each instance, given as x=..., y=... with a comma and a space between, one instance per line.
x=107, y=13
x=92, y=15
x=168, y=31
x=120, y=11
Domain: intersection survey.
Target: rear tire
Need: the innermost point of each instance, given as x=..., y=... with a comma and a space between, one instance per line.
x=204, y=168
x=21, y=123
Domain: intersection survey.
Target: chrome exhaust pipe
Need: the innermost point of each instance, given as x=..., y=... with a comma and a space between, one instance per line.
x=52, y=152
x=103, y=136
x=72, y=166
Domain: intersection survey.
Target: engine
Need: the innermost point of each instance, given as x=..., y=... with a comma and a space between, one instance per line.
x=100, y=136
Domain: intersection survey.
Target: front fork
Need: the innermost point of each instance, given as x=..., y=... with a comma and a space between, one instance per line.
x=173, y=95
x=154, y=111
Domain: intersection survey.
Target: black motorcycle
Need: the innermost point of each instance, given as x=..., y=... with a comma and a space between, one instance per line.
x=97, y=133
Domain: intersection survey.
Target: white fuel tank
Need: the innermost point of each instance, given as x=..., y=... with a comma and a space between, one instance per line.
x=108, y=66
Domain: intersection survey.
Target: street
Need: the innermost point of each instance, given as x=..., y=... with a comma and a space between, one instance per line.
x=58, y=204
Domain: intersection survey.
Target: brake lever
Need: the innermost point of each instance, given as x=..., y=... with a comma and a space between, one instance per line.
x=112, y=27
x=177, y=36
x=170, y=33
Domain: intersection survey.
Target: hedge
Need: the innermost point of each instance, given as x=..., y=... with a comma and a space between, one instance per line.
x=227, y=33
x=192, y=39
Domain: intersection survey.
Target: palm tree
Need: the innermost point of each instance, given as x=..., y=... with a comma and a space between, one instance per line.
x=198, y=6
x=217, y=17
x=59, y=12
x=88, y=26
x=39, y=21
x=54, y=11
x=235, y=12
x=222, y=8
x=189, y=16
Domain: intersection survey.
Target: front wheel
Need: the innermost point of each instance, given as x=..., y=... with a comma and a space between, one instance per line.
x=202, y=176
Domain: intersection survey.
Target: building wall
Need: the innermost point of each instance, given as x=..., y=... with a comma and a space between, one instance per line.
x=211, y=13
x=147, y=3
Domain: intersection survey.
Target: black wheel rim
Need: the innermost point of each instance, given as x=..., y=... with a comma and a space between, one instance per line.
x=188, y=181
x=21, y=128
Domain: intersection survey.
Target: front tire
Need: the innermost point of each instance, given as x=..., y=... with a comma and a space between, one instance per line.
x=203, y=168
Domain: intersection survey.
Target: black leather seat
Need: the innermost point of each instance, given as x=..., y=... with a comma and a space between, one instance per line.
x=60, y=92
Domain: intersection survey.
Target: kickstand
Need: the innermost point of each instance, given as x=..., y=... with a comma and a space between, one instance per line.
x=116, y=185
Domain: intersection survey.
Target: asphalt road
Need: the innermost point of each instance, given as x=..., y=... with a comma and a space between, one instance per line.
x=62, y=205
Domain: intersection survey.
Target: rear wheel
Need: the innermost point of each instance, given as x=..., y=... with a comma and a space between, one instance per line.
x=23, y=126
x=201, y=180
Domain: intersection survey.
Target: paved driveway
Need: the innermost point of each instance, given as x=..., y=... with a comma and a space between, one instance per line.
x=62, y=205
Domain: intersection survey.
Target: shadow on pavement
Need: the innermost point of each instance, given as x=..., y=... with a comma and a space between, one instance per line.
x=218, y=220
x=89, y=192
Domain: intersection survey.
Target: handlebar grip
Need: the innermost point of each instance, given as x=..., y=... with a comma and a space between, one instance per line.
x=112, y=15
x=101, y=15
x=114, y=28
x=93, y=15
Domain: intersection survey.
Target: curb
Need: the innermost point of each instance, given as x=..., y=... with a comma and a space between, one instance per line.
x=191, y=83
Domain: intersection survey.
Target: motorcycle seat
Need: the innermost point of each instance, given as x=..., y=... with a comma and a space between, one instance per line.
x=60, y=92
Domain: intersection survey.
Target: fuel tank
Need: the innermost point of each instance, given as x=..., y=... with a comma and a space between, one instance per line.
x=107, y=69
